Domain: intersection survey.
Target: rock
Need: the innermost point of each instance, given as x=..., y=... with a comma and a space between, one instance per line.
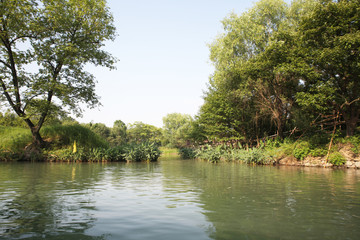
x=349, y=164
x=357, y=164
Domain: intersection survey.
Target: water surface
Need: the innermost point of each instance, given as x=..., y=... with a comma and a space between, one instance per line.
x=177, y=199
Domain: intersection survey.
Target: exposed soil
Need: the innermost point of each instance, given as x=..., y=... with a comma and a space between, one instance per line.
x=352, y=159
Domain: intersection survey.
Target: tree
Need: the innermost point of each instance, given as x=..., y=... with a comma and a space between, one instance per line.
x=118, y=134
x=139, y=132
x=258, y=71
x=44, y=46
x=177, y=128
x=331, y=39
x=244, y=75
x=100, y=129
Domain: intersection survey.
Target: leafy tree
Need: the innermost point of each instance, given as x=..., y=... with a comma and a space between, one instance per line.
x=177, y=128
x=258, y=71
x=247, y=82
x=118, y=134
x=330, y=36
x=44, y=46
x=140, y=132
x=100, y=129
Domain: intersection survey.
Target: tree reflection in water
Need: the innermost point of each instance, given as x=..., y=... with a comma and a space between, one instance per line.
x=49, y=201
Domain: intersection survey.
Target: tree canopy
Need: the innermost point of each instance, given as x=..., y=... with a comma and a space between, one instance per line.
x=44, y=47
x=279, y=66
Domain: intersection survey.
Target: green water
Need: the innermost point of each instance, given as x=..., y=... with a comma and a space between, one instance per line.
x=177, y=199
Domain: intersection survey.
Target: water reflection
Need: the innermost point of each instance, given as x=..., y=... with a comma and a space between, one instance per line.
x=278, y=203
x=47, y=200
x=177, y=199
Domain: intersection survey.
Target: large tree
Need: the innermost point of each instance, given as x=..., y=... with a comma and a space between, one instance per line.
x=330, y=36
x=244, y=74
x=258, y=69
x=44, y=47
x=177, y=129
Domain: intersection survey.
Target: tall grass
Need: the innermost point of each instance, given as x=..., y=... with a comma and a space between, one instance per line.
x=65, y=135
x=14, y=139
x=225, y=153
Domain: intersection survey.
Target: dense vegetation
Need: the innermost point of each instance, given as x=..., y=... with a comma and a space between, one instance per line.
x=68, y=140
x=286, y=83
x=285, y=69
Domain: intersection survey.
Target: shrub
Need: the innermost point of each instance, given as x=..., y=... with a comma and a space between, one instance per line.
x=301, y=150
x=210, y=153
x=355, y=142
x=337, y=159
x=318, y=152
x=187, y=153
x=142, y=152
x=256, y=156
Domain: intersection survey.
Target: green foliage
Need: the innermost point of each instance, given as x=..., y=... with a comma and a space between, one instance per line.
x=142, y=152
x=222, y=152
x=337, y=159
x=301, y=150
x=11, y=120
x=65, y=135
x=14, y=139
x=118, y=134
x=133, y=152
x=100, y=129
x=187, y=153
x=61, y=37
x=353, y=140
x=139, y=132
x=331, y=38
x=318, y=152
x=177, y=129
x=255, y=156
x=209, y=153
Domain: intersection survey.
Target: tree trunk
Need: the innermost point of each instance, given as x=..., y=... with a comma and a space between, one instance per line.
x=280, y=127
x=351, y=117
x=38, y=142
x=37, y=139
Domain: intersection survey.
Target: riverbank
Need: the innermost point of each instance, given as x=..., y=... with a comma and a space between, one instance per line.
x=352, y=160
x=344, y=153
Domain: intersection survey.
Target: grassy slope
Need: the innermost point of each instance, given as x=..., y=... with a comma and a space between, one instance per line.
x=15, y=139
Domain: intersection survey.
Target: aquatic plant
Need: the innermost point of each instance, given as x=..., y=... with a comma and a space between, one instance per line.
x=187, y=153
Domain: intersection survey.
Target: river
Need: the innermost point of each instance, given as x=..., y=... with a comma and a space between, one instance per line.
x=177, y=199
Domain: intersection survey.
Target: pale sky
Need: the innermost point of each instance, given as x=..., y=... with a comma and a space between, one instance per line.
x=163, y=57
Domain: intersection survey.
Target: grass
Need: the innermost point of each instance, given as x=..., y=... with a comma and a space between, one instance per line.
x=168, y=151
x=14, y=139
x=65, y=135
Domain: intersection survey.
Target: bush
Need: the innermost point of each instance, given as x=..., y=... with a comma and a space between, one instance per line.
x=355, y=141
x=187, y=153
x=318, y=152
x=210, y=153
x=337, y=159
x=301, y=150
x=142, y=152
x=256, y=156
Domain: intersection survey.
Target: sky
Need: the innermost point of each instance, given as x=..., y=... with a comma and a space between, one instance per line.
x=163, y=59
